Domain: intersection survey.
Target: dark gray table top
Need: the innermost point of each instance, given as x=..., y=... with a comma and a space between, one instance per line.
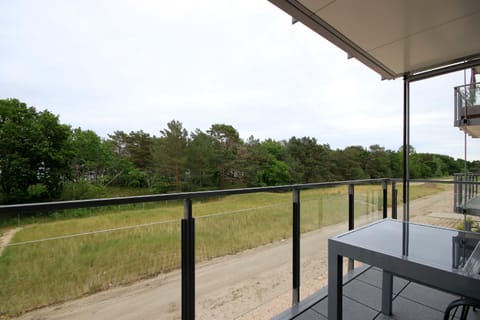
x=429, y=245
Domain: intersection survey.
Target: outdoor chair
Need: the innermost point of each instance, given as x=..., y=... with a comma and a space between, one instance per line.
x=472, y=266
x=464, y=304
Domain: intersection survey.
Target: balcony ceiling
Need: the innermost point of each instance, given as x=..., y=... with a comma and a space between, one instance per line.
x=395, y=37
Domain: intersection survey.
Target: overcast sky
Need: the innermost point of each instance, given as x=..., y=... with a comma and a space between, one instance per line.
x=109, y=65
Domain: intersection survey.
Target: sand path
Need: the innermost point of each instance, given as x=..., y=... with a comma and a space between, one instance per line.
x=6, y=237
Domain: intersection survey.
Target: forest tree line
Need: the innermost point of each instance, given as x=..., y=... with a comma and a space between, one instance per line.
x=40, y=158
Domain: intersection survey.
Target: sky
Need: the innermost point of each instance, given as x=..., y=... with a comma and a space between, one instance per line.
x=107, y=65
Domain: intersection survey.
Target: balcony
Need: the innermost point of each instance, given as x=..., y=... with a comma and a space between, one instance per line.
x=467, y=198
x=204, y=284
x=362, y=300
x=467, y=109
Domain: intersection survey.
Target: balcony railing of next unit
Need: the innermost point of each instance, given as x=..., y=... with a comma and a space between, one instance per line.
x=467, y=109
x=467, y=198
x=193, y=246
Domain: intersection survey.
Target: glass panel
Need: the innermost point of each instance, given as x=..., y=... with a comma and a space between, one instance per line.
x=244, y=254
x=368, y=204
x=100, y=258
x=468, y=95
x=467, y=200
x=324, y=214
x=433, y=204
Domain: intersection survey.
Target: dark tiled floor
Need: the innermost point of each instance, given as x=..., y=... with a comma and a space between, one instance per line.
x=362, y=298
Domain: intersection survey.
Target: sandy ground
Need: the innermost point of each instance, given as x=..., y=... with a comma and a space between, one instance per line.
x=254, y=284
x=6, y=237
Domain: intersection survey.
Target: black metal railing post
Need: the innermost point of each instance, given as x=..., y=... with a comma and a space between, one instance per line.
x=188, y=262
x=475, y=186
x=296, y=247
x=455, y=193
x=461, y=191
x=471, y=194
x=394, y=200
x=467, y=186
x=385, y=198
x=351, y=216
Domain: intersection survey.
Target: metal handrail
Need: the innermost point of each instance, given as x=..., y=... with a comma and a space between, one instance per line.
x=91, y=203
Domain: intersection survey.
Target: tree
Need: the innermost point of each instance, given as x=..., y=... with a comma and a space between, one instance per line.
x=377, y=163
x=256, y=164
x=119, y=141
x=138, y=147
x=307, y=160
x=34, y=150
x=395, y=163
x=265, y=165
x=169, y=154
x=91, y=156
x=228, y=147
x=350, y=163
x=132, y=165
x=200, y=159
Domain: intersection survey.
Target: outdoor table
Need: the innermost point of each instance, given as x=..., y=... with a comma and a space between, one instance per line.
x=436, y=257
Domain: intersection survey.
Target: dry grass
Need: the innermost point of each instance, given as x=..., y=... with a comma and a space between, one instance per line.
x=94, y=253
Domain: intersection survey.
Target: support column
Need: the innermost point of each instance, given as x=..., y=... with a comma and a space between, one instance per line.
x=406, y=167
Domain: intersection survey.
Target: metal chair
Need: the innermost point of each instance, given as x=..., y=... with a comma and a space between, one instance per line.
x=464, y=304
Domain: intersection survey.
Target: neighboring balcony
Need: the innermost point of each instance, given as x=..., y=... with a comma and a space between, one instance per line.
x=466, y=194
x=467, y=109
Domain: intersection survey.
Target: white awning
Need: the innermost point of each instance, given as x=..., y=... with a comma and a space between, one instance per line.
x=395, y=37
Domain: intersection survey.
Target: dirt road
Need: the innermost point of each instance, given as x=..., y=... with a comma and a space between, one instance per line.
x=254, y=284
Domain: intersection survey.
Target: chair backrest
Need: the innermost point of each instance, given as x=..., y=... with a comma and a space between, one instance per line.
x=472, y=266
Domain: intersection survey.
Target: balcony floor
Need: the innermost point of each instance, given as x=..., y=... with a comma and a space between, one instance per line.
x=362, y=300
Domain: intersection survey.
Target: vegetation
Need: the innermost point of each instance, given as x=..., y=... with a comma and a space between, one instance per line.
x=474, y=225
x=67, y=254
x=33, y=153
x=61, y=259
x=42, y=159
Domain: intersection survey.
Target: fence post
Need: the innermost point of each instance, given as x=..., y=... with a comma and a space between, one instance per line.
x=385, y=196
x=188, y=262
x=296, y=247
x=351, y=216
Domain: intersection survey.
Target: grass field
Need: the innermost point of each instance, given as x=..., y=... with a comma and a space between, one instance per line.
x=60, y=259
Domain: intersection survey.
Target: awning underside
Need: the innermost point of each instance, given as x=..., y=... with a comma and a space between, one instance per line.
x=395, y=37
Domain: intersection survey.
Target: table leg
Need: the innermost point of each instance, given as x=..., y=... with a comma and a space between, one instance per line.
x=387, y=289
x=335, y=285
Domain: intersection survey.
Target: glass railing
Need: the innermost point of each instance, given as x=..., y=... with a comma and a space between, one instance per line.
x=207, y=254
x=467, y=103
x=467, y=192
x=230, y=254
